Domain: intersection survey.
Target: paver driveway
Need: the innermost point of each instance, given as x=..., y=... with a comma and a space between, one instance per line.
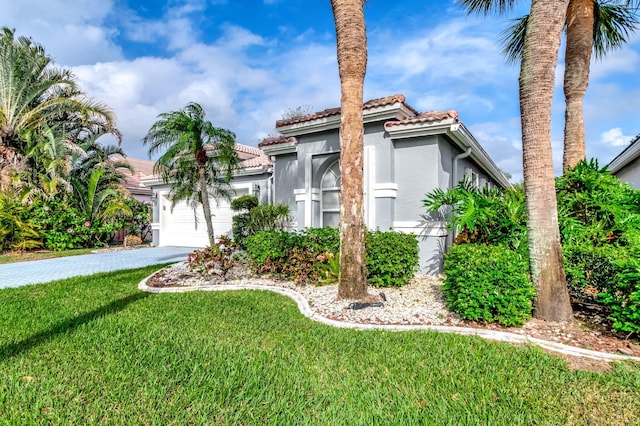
x=41, y=271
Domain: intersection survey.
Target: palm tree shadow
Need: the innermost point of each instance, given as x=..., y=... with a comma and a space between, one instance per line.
x=68, y=325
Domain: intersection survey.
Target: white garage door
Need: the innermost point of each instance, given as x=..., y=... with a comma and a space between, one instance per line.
x=184, y=228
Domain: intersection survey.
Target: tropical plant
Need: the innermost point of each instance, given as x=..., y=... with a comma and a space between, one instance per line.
x=139, y=223
x=198, y=159
x=37, y=99
x=351, y=41
x=18, y=230
x=101, y=202
x=49, y=157
x=251, y=217
x=482, y=215
x=597, y=208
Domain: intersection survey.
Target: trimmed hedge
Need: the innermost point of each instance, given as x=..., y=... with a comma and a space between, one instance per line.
x=488, y=283
x=392, y=258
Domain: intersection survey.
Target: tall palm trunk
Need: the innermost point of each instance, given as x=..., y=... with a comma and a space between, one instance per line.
x=580, y=17
x=352, y=63
x=537, y=71
x=204, y=196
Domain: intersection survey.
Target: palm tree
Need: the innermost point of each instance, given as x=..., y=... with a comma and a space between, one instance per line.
x=537, y=69
x=37, y=96
x=101, y=200
x=94, y=155
x=352, y=63
x=592, y=26
x=49, y=159
x=198, y=159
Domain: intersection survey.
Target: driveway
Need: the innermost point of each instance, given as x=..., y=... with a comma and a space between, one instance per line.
x=41, y=271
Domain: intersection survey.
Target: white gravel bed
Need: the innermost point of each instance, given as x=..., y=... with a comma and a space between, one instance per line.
x=418, y=302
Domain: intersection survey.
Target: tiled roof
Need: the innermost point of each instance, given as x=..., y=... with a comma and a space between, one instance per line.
x=277, y=140
x=425, y=117
x=260, y=161
x=373, y=103
x=140, y=166
x=252, y=151
x=142, y=169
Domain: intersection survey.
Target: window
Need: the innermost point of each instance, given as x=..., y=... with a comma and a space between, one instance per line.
x=330, y=203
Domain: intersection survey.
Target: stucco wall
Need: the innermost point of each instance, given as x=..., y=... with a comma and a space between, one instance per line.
x=416, y=172
x=630, y=173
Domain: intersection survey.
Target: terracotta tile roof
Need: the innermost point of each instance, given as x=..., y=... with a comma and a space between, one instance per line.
x=277, y=140
x=246, y=151
x=260, y=161
x=140, y=166
x=425, y=117
x=142, y=169
x=373, y=103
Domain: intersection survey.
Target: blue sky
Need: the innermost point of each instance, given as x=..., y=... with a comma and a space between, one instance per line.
x=248, y=61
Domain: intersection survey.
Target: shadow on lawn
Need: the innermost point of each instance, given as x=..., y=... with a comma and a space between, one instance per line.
x=11, y=350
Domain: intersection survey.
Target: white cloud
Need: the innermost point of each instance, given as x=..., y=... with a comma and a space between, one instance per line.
x=615, y=137
x=72, y=35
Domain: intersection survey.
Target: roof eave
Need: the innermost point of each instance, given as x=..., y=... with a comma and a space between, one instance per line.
x=396, y=111
x=281, y=148
x=625, y=157
x=459, y=134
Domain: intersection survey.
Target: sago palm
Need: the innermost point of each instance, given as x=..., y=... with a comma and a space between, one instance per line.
x=197, y=159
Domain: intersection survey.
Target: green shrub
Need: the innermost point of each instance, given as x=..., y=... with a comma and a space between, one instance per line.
x=18, y=231
x=253, y=217
x=622, y=296
x=392, y=258
x=488, y=283
x=320, y=240
x=590, y=269
x=240, y=220
x=139, y=223
x=66, y=227
x=311, y=255
x=596, y=207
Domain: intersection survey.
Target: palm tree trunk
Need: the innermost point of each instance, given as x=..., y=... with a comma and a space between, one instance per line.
x=580, y=16
x=537, y=71
x=352, y=63
x=204, y=196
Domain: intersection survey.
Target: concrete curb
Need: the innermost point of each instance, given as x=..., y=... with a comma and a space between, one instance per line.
x=305, y=309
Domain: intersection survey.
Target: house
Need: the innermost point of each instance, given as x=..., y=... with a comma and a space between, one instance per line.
x=406, y=155
x=142, y=169
x=626, y=166
x=183, y=225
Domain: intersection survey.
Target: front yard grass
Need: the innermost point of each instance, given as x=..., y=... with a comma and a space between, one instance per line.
x=95, y=350
x=39, y=255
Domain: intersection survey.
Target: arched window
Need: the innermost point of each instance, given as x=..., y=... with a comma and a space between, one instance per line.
x=331, y=196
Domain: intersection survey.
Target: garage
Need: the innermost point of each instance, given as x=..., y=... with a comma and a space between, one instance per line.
x=184, y=227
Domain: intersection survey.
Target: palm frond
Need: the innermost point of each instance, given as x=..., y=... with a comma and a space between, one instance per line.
x=486, y=7
x=613, y=23
x=512, y=39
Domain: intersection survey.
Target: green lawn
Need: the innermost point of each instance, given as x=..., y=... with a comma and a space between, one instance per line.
x=40, y=254
x=97, y=351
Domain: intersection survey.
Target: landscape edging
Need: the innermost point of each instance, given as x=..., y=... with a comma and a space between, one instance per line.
x=305, y=309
